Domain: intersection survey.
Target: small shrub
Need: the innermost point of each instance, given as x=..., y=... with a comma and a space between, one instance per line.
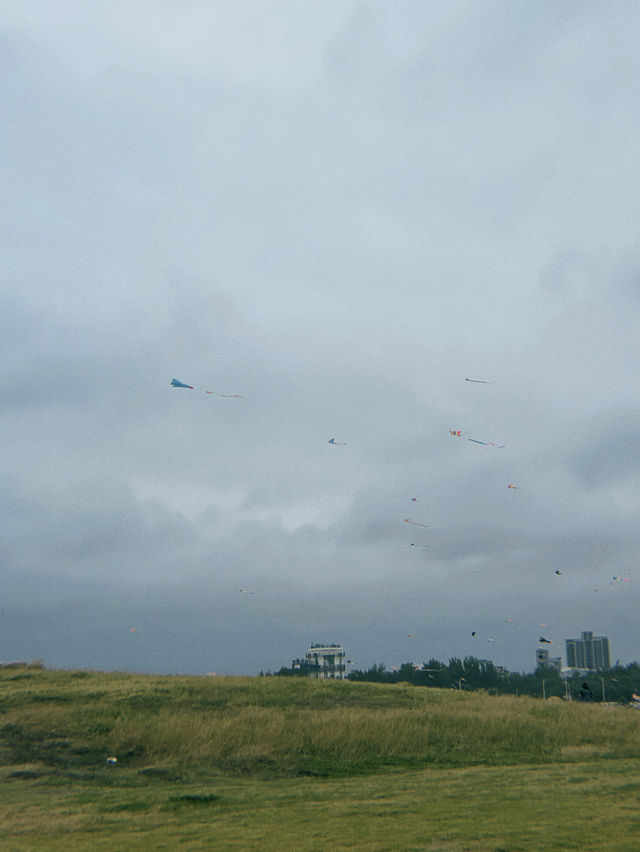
x=190, y=800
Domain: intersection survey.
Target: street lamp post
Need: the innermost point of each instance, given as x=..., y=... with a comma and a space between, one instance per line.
x=604, y=697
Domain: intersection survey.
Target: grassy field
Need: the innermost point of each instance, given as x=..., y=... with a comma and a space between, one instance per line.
x=296, y=764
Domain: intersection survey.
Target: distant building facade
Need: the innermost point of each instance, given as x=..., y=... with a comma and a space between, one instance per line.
x=323, y=661
x=590, y=653
x=545, y=661
x=503, y=671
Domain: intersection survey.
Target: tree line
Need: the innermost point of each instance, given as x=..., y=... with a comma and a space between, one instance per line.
x=617, y=684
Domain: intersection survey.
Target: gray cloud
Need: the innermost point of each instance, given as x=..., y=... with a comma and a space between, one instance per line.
x=341, y=214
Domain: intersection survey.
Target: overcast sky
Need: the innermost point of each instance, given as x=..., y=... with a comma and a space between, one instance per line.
x=341, y=210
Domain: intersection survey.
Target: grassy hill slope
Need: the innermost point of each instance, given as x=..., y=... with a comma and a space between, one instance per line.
x=289, y=726
x=285, y=764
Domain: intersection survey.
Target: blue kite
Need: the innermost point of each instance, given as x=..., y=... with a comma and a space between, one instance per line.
x=176, y=384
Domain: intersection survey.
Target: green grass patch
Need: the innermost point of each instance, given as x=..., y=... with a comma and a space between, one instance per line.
x=477, y=809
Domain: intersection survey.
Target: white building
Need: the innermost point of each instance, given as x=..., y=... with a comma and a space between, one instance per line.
x=323, y=661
